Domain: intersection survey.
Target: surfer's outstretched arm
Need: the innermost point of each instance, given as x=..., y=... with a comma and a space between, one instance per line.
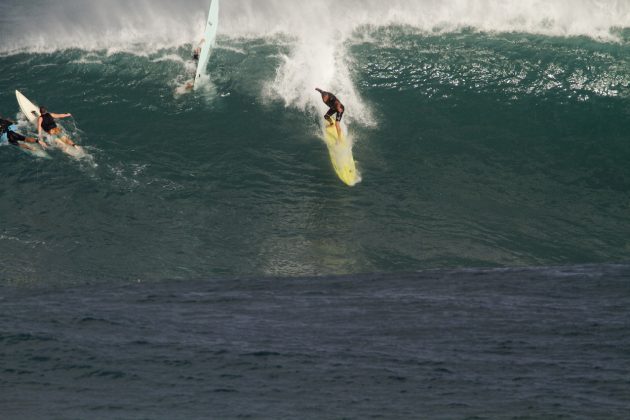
x=60, y=115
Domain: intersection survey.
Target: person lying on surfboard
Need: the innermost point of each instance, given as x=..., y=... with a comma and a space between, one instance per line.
x=335, y=107
x=46, y=122
x=7, y=133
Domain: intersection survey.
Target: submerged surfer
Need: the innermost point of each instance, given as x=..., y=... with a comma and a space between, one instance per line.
x=7, y=133
x=196, y=54
x=335, y=107
x=197, y=51
x=46, y=122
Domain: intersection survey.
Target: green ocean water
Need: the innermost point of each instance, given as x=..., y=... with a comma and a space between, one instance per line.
x=481, y=150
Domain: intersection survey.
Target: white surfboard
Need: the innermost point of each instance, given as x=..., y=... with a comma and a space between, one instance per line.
x=28, y=108
x=209, y=37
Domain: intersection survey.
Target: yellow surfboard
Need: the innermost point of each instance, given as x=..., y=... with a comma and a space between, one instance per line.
x=341, y=156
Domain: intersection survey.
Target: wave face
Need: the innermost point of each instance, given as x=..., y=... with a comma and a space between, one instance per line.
x=488, y=133
x=118, y=24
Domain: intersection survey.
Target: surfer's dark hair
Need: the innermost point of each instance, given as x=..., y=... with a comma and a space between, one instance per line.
x=42, y=110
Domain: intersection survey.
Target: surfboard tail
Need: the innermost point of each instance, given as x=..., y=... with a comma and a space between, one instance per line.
x=341, y=156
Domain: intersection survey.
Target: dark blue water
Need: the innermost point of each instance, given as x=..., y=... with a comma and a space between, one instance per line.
x=502, y=343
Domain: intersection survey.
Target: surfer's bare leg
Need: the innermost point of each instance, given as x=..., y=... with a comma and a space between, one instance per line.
x=66, y=140
x=338, y=126
x=28, y=140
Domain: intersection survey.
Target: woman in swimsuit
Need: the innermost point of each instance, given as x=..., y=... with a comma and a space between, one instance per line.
x=46, y=122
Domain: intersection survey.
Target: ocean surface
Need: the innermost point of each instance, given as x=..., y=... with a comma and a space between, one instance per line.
x=204, y=260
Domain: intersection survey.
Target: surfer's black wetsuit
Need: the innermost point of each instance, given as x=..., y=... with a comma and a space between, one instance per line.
x=333, y=103
x=12, y=136
x=4, y=125
x=48, y=122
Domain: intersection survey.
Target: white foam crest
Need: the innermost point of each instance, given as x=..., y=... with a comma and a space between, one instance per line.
x=317, y=65
x=159, y=24
x=170, y=57
x=111, y=25
x=593, y=18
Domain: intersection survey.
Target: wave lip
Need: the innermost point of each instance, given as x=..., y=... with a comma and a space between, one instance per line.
x=116, y=24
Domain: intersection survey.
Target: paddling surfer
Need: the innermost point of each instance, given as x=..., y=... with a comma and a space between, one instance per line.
x=335, y=107
x=8, y=134
x=46, y=122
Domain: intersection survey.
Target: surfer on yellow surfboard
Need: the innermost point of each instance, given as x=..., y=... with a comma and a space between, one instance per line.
x=335, y=107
